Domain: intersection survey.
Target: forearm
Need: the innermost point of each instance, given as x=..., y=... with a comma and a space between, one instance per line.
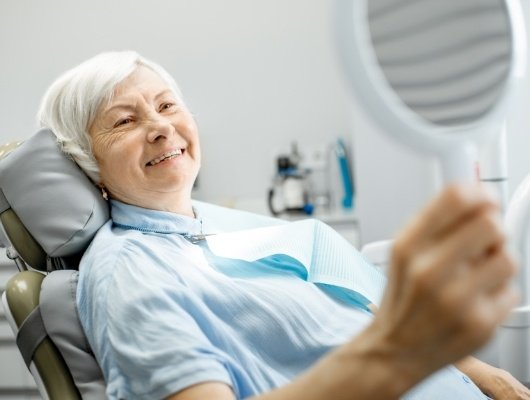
x=471, y=366
x=365, y=368
x=368, y=367
x=494, y=382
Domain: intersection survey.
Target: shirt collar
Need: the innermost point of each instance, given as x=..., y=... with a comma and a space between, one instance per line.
x=147, y=220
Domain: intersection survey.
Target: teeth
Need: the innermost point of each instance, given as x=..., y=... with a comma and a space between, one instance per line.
x=166, y=156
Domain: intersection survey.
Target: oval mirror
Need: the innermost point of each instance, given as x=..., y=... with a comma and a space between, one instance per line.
x=438, y=75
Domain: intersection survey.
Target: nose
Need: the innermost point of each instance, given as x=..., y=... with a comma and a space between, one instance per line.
x=159, y=128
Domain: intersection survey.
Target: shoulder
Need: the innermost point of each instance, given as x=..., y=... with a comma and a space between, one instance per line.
x=121, y=274
x=106, y=251
x=111, y=260
x=121, y=257
x=127, y=289
x=113, y=247
x=109, y=241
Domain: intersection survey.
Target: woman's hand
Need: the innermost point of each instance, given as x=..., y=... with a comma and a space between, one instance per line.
x=494, y=382
x=501, y=385
x=448, y=283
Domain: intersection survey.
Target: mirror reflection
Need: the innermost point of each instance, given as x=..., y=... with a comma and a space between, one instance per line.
x=446, y=60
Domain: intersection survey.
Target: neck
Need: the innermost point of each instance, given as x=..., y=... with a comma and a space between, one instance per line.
x=179, y=206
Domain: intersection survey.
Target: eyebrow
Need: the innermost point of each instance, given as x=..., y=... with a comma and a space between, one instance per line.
x=127, y=106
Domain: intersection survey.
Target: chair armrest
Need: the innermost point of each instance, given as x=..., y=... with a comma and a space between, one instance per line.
x=378, y=253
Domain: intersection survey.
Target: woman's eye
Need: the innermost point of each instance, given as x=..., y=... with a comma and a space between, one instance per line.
x=167, y=106
x=122, y=122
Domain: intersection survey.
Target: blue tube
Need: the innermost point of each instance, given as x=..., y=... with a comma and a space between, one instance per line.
x=342, y=158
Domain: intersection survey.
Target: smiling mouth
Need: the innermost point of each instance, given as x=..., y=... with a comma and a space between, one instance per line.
x=165, y=157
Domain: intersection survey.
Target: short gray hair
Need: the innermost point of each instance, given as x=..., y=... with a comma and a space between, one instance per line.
x=70, y=104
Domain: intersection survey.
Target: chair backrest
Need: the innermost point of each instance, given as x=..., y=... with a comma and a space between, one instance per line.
x=49, y=213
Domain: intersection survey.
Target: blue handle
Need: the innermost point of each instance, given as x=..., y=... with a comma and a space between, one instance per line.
x=347, y=200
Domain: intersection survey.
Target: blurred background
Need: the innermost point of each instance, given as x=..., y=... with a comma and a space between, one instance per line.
x=264, y=82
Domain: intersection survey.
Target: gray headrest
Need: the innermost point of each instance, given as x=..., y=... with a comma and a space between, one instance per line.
x=57, y=203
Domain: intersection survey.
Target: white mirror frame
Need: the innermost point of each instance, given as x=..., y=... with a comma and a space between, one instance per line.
x=454, y=145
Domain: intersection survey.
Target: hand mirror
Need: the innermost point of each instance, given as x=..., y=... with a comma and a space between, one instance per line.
x=438, y=75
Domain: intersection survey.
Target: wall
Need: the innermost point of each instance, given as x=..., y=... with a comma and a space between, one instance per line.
x=392, y=181
x=257, y=74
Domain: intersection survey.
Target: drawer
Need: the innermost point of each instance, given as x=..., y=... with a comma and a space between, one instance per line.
x=6, y=334
x=5, y=274
x=13, y=371
x=19, y=395
x=4, y=260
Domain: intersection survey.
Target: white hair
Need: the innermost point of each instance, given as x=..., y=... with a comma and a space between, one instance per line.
x=70, y=104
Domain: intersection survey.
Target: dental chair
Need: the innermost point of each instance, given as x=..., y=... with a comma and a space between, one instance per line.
x=49, y=213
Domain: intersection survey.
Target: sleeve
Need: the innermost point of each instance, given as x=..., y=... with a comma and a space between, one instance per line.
x=156, y=347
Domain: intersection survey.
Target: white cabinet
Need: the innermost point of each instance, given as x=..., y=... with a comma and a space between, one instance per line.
x=344, y=223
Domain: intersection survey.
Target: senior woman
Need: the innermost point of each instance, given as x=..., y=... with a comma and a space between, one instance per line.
x=165, y=321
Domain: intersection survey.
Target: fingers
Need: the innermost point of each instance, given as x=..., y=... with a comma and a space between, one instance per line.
x=490, y=309
x=493, y=272
x=475, y=239
x=486, y=295
x=477, y=236
x=454, y=204
x=453, y=245
x=472, y=262
x=449, y=280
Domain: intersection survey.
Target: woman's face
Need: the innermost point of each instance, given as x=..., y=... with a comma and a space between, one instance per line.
x=146, y=144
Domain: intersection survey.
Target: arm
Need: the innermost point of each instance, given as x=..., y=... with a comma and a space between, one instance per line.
x=447, y=291
x=494, y=382
x=331, y=377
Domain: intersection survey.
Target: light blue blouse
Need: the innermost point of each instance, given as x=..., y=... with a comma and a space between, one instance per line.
x=163, y=313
